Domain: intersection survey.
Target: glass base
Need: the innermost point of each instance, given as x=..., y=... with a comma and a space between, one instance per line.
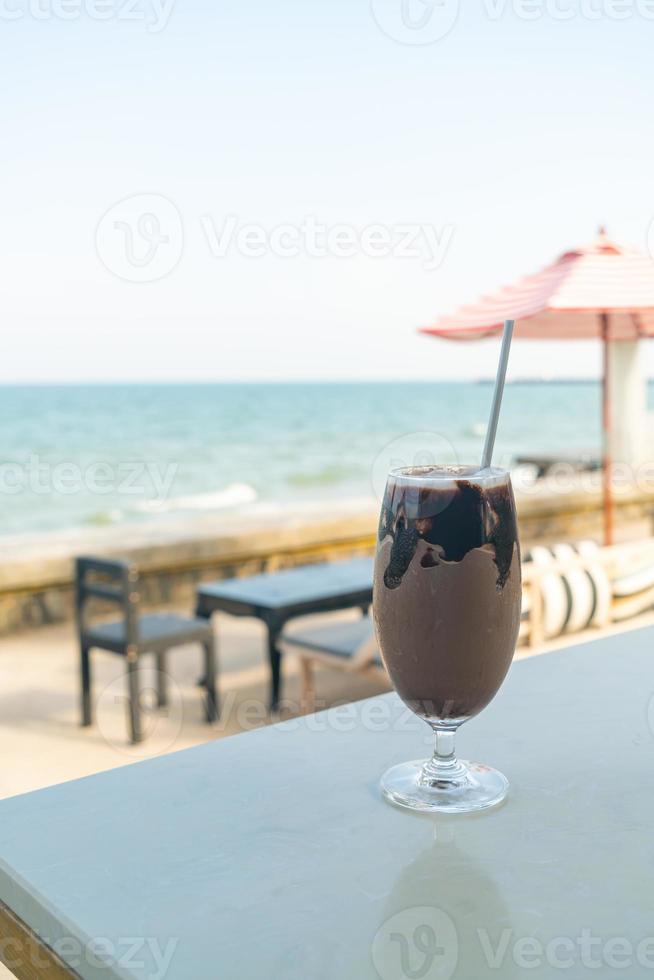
x=470, y=787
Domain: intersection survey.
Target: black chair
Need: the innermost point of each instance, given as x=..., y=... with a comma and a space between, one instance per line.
x=117, y=582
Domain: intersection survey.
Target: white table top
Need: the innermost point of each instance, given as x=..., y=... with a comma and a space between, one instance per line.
x=270, y=856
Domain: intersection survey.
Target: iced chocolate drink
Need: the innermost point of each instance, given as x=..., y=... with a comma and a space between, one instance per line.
x=447, y=610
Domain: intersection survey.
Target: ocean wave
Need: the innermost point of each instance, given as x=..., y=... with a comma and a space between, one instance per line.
x=233, y=495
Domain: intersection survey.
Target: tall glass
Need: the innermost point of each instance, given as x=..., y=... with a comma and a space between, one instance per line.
x=447, y=601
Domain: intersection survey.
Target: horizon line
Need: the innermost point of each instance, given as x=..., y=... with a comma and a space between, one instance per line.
x=170, y=382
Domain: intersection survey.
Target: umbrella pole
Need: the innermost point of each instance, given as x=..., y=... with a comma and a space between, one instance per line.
x=606, y=424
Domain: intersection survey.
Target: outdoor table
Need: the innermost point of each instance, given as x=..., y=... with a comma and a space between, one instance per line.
x=277, y=597
x=271, y=856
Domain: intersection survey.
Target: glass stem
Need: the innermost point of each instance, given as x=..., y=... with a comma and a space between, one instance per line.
x=443, y=767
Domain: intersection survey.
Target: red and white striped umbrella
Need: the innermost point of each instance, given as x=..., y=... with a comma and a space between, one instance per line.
x=601, y=291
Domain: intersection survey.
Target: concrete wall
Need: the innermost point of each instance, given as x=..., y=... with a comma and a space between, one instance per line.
x=36, y=572
x=628, y=441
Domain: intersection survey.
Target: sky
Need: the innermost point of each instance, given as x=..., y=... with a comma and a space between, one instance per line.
x=195, y=190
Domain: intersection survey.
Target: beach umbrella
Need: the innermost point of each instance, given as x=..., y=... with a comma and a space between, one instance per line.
x=602, y=291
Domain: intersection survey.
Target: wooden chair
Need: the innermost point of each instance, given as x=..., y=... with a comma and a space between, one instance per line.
x=131, y=635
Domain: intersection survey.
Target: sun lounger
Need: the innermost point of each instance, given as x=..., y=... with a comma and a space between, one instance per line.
x=348, y=645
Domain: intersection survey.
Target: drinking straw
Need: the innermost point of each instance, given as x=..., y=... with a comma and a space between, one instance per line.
x=497, y=395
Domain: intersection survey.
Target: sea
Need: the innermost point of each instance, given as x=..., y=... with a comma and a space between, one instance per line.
x=76, y=456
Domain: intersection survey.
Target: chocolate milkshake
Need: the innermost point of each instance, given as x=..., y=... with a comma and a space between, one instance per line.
x=447, y=588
